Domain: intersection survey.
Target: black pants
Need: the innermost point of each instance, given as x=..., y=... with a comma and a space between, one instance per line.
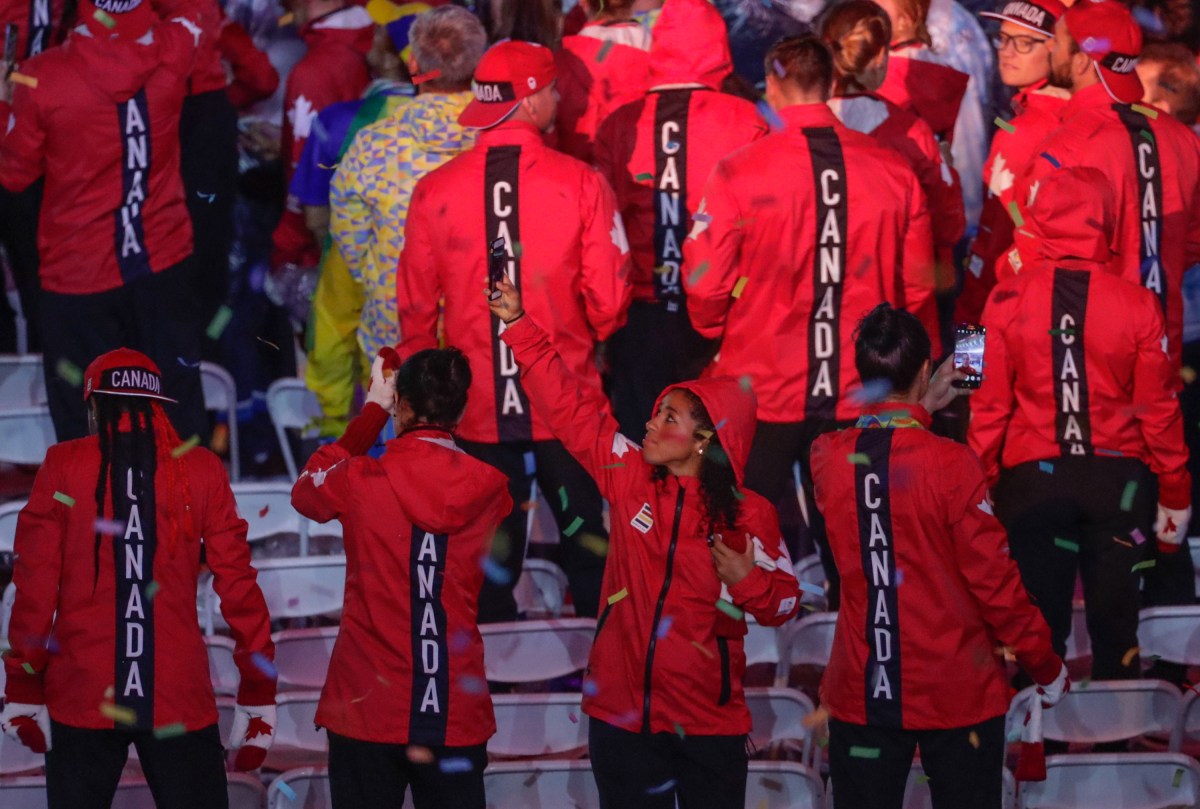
x=184, y=772
x=651, y=770
x=370, y=774
x=868, y=766
x=209, y=166
x=636, y=376
x=18, y=233
x=1078, y=516
x=557, y=474
x=775, y=449
x=154, y=315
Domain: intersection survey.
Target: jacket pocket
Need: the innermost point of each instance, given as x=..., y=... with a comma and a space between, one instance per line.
x=723, y=650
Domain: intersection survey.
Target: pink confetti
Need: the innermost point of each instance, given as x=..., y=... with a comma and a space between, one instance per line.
x=1137, y=536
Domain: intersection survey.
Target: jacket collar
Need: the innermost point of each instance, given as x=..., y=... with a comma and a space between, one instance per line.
x=510, y=133
x=1089, y=98
x=893, y=415
x=801, y=116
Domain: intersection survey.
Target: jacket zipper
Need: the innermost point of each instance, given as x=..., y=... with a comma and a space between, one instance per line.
x=662, y=598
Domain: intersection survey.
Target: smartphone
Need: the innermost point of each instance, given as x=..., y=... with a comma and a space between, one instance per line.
x=10, y=48
x=968, y=353
x=496, y=263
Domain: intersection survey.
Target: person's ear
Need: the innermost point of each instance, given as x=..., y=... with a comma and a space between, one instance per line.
x=411, y=64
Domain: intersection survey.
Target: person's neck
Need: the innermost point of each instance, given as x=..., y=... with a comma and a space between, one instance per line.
x=687, y=468
x=908, y=397
x=1088, y=79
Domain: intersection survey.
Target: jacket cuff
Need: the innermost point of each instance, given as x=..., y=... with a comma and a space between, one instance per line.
x=23, y=687
x=756, y=583
x=256, y=691
x=523, y=331
x=1045, y=670
x=361, y=433
x=1175, y=491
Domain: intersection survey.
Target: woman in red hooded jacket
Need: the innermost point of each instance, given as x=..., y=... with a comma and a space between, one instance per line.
x=688, y=554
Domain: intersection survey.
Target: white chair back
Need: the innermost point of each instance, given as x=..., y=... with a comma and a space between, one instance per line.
x=298, y=741
x=783, y=785
x=292, y=406
x=546, y=784
x=1107, y=711
x=531, y=725
x=222, y=671
x=1079, y=642
x=541, y=591
x=7, y=599
x=8, y=526
x=1136, y=780
x=25, y=435
x=293, y=588
x=535, y=651
x=302, y=656
x=220, y=393
x=245, y=791
x=810, y=571
x=22, y=381
x=23, y=792
x=267, y=508
x=761, y=643
x=806, y=642
x=1171, y=633
x=777, y=715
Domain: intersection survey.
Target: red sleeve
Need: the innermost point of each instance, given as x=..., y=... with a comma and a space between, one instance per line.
x=37, y=572
x=980, y=548
x=604, y=258
x=770, y=592
x=916, y=267
x=992, y=405
x=710, y=255
x=23, y=148
x=418, y=287
x=941, y=184
x=1193, y=229
x=1156, y=406
x=308, y=92
x=236, y=584
x=254, y=77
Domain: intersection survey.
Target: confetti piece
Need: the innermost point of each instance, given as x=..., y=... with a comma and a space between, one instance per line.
x=562, y=498
x=66, y=499
x=1145, y=133
x=530, y=463
x=679, y=730
x=1046, y=466
x=864, y=752
x=703, y=651
x=220, y=320
x=575, y=525
x=924, y=779
x=595, y=544
x=287, y=791
x=28, y=668
x=1015, y=213
x=1005, y=125
x=186, y=447
x=744, y=383
x=1050, y=159
x=613, y=466
x=617, y=596
x=152, y=590
x=737, y=495
x=118, y=713
x=1178, y=779
x=495, y=572
x=645, y=175
x=421, y=78
x=268, y=342
x=1149, y=112
x=701, y=217
x=698, y=273
x=859, y=459
x=1128, y=495
x=729, y=609
x=808, y=587
x=974, y=739
x=1130, y=655
x=664, y=626
x=263, y=511
x=739, y=286
x=1067, y=545
x=1188, y=374
x=455, y=765
x=20, y=78
x=1085, y=682
x=1123, y=542
x=102, y=17
x=663, y=787
x=574, y=719
x=472, y=685
x=167, y=731
x=1137, y=536
x=590, y=689
x=604, y=49
x=69, y=372
x=264, y=665
x=1146, y=565
x=1058, y=332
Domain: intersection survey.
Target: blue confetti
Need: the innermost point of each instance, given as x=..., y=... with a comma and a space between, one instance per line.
x=286, y=790
x=455, y=765
x=721, y=423
x=265, y=666
x=496, y=573
x=590, y=689
x=530, y=464
x=872, y=391
x=812, y=588
x=1050, y=159
x=664, y=626
x=1046, y=466
x=773, y=120
x=661, y=788
x=471, y=684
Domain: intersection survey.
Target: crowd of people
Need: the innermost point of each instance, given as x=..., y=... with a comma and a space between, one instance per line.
x=697, y=270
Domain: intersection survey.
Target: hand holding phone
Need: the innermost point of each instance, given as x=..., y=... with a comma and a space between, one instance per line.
x=496, y=268
x=968, y=354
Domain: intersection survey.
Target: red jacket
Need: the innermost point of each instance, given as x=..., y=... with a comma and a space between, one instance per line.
x=666, y=658
x=567, y=254
x=254, y=77
x=102, y=125
x=924, y=86
x=407, y=667
x=1157, y=181
x=1013, y=149
x=1075, y=361
x=41, y=17
x=929, y=592
x=798, y=236
x=658, y=151
x=903, y=131
x=597, y=73
x=127, y=633
x=208, y=73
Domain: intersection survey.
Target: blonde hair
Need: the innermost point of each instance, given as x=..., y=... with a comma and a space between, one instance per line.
x=917, y=11
x=856, y=32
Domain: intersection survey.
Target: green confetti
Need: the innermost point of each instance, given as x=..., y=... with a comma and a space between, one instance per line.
x=185, y=447
x=1147, y=135
x=1147, y=111
x=729, y=609
x=167, y=731
x=604, y=49
x=859, y=458
x=66, y=499
x=1005, y=125
x=698, y=273
x=924, y=779
x=1015, y=213
x=152, y=590
x=597, y=545
x=28, y=668
x=679, y=732
x=739, y=287
x=823, y=742
x=69, y=372
x=1178, y=779
x=220, y=320
x=738, y=495
x=1057, y=332
x=864, y=752
x=1067, y=545
x=617, y=596
x=104, y=19
x=1085, y=682
x=645, y=175
x=613, y=466
x=1146, y=565
x=575, y=525
x=1128, y=495
x=562, y=498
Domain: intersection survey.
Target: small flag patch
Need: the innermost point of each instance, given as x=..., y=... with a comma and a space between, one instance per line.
x=643, y=520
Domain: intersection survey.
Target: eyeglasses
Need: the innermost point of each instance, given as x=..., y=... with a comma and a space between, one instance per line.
x=1022, y=45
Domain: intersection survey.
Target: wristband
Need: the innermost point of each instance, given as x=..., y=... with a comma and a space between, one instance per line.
x=515, y=319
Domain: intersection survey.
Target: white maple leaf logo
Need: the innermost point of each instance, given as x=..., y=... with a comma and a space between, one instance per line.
x=621, y=445
x=301, y=116
x=985, y=506
x=619, y=239
x=1033, y=189
x=1001, y=179
x=701, y=218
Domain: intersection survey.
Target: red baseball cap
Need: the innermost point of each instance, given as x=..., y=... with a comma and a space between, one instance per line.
x=1106, y=31
x=123, y=19
x=124, y=372
x=507, y=73
x=1038, y=16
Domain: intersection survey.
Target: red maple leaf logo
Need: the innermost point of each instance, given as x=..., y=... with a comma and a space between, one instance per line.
x=257, y=727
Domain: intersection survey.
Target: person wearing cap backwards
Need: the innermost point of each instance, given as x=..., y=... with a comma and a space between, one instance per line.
x=375, y=179
x=99, y=118
x=657, y=152
x=563, y=244
x=929, y=593
x=106, y=651
x=796, y=236
x=1023, y=45
x=691, y=553
x=1077, y=424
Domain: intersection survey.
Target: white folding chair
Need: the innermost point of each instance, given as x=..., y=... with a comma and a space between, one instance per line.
x=23, y=792
x=809, y=570
x=806, y=642
x=301, y=788
x=1108, y=711
x=25, y=435
x=541, y=591
x=761, y=643
x=7, y=599
x=541, y=784
x=302, y=656
x=783, y=785
x=1194, y=551
x=777, y=715
x=536, y=651
x=293, y=588
x=1170, y=633
x=532, y=725
x=22, y=381
x=220, y=393
x=291, y=406
x=245, y=791
x=267, y=509
x=1079, y=642
x=226, y=707
x=1115, y=781
x=8, y=526
x=222, y=671
x=298, y=742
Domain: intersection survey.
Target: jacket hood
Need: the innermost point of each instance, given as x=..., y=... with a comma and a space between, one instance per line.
x=733, y=409
x=351, y=26
x=691, y=45
x=1072, y=216
x=440, y=487
x=431, y=121
x=117, y=67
